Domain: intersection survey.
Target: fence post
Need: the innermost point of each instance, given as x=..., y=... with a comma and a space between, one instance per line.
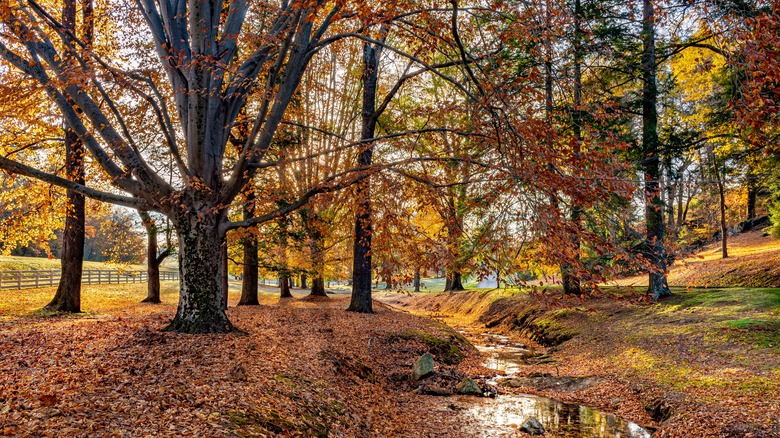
x=18, y=279
x=36, y=279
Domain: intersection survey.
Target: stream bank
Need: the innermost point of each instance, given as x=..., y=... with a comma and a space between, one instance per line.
x=681, y=366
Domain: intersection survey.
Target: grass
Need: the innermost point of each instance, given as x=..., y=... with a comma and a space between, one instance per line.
x=17, y=263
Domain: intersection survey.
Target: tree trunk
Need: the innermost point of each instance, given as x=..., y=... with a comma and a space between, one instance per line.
x=223, y=271
x=303, y=281
x=68, y=295
x=752, y=196
x=318, y=263
x=201, y=300
x=361, y=263
x=570, y=280
x=657, y=287
x=249, y=283
x=284, y=286
x=152, y=263
x=453, y=282
x=417, y=280
x=723, y=229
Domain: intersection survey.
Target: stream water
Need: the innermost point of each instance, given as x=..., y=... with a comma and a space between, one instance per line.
x=562, y=419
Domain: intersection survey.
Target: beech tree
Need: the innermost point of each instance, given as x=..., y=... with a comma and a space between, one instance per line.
x=210, y=64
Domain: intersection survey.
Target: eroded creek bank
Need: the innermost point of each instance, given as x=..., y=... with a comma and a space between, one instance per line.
x=522, y=348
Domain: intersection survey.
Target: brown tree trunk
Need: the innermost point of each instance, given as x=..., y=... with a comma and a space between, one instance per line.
x=654, y=218
x=318, y=263
x=453, y=283
x=249, y=283
x=303, y=281
x=284, y=287
x=68, y=295
x=153, y=260
x=752, y=196
x=570, y=279
x=361, y=263
x=417, y=280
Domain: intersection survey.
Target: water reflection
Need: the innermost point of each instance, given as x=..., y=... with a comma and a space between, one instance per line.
x=565, y=420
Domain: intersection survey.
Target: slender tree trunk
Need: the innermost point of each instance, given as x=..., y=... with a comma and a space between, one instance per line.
x=68, y=295
x=201, y=300
x=318, y=263
x=654, y=218
x=303, y=281
x=223, y=270
x=680, y=194
x=723, y=229
x=249, y=283
x=361, y=265
x=417, y=280
x=752, y=196
x=152, y=261
x=570, y=279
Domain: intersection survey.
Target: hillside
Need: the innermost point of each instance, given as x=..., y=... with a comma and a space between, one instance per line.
x=754, y=261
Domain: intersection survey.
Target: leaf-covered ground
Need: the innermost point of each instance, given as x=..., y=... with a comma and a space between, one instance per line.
x=752, y=262
x=303, y=369
x=703, y=363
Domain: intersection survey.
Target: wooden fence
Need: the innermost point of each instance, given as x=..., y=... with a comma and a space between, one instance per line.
x=31, y=279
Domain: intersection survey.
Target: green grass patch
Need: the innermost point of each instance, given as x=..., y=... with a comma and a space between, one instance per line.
x=763, y=333
x=754, y=298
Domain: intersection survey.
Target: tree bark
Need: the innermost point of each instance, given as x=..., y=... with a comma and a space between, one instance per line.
x=654, y=219
x=68, y=295
x=249, y=279
x=284, y=286
x=318, y=263
x=752, y=195
x=201, y=300
x=417, y=280
x=153, y=260
x=570, y=280
x=361, y=263
x=453, y=283
x=303, y=281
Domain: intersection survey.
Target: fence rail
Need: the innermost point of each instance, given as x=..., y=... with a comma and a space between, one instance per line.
x=32, y=279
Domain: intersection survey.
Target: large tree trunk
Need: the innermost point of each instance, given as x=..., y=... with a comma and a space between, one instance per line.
x=201, y=300
x=303, y=281
x=284, y=286
x=417, y=280
x=654, y=218
x=361, y=261
x=68, y=295
x=249, y=282
x=453, y=283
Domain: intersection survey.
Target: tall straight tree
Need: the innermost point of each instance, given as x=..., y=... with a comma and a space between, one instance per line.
x=651, y=162
x=361, y=262
x=68, y=295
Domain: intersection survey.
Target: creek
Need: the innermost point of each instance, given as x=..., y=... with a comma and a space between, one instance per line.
x=559, y=418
